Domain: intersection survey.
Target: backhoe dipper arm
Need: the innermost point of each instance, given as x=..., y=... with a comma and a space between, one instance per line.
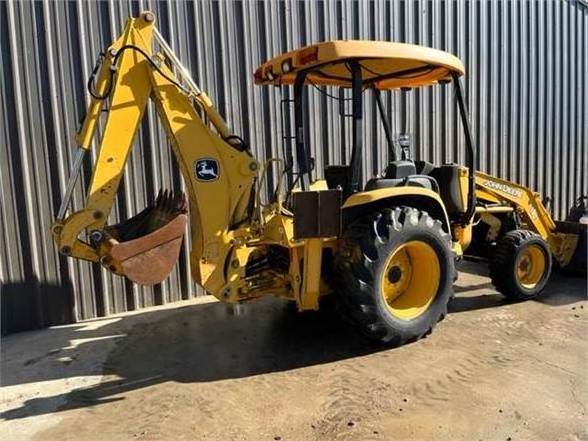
x=127, y=102
x=219, y=177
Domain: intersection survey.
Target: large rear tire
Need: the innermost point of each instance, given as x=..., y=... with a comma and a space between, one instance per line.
x=521, y=265
x=394, y=273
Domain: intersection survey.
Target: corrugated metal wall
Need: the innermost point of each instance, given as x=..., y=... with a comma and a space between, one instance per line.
x=527, y=89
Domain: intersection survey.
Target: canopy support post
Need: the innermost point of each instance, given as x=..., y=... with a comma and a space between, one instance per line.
x=357, y=125
x=300, y=132
x=386, y=124
x=470, y=150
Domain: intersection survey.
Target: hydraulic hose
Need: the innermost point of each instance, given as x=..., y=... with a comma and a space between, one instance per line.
x=113, y=68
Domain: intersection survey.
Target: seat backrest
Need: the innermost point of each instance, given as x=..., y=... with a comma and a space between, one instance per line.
x=424, y=167
x=400, y=169
x=447, y=176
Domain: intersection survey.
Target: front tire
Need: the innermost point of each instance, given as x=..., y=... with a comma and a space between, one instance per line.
x=521, y=265
x=395, y=271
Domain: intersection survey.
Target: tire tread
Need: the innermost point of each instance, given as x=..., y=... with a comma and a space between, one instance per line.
x=501, y=264
x=355, y=266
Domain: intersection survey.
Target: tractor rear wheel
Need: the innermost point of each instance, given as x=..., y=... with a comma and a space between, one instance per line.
x=394, y=272
x=521, y=265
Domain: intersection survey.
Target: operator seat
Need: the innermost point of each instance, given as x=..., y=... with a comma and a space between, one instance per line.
x=447, y=176
x=402, y=173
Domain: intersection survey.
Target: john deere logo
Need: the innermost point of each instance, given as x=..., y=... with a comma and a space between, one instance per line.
x=206, y=169
x=515, y=192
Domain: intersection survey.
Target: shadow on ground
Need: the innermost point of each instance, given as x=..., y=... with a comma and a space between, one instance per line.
x=561, y=290
x=200, y=343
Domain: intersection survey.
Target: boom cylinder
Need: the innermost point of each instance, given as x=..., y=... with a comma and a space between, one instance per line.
x=73, y=177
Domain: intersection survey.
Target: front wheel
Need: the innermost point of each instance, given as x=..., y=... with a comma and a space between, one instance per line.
x=521, y=265
x=394, y=272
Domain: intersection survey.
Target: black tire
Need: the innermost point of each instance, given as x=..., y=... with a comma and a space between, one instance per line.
x=504, y=263
x=366, y=248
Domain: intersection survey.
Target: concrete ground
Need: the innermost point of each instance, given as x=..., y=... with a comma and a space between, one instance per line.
x=492, y=370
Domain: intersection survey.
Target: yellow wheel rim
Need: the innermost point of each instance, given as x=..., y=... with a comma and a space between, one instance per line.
x=410, y=279
x=530, y=266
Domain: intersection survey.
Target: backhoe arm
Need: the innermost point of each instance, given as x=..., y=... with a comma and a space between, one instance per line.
x=127, y=102
x=218, y=176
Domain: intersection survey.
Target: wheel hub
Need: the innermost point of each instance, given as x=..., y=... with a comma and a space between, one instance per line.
x=395, y=274
x=410, y=279
x=530, y=266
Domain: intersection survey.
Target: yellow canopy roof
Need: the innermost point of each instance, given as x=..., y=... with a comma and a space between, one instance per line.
x=384, y=64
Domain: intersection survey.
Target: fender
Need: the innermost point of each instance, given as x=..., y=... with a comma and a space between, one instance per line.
x=363, y=202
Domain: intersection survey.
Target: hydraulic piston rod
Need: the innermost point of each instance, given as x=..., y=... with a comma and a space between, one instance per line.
x=73, y=177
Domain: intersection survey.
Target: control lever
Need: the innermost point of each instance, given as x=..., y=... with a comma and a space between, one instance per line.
x=404, y=141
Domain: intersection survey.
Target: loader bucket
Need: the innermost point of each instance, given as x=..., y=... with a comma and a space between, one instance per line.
x=578, y=262
x=576, y=225
x=146, y=246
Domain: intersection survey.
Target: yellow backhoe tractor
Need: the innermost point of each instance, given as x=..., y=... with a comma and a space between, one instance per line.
x=385, y=250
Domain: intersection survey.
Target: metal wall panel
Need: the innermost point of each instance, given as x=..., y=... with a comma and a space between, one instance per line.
x=527, y=89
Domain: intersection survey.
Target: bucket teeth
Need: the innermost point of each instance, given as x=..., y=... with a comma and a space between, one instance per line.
x=170, y=202
x=166, y=207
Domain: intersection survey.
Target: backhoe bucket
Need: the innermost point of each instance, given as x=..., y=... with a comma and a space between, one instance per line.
x=146, y=247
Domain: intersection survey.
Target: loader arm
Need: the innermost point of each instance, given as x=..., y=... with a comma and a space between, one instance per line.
x=218, y=176
x=494, y=194
x=525, y=201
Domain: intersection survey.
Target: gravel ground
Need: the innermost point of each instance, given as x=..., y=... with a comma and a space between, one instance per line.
x=493, y=370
